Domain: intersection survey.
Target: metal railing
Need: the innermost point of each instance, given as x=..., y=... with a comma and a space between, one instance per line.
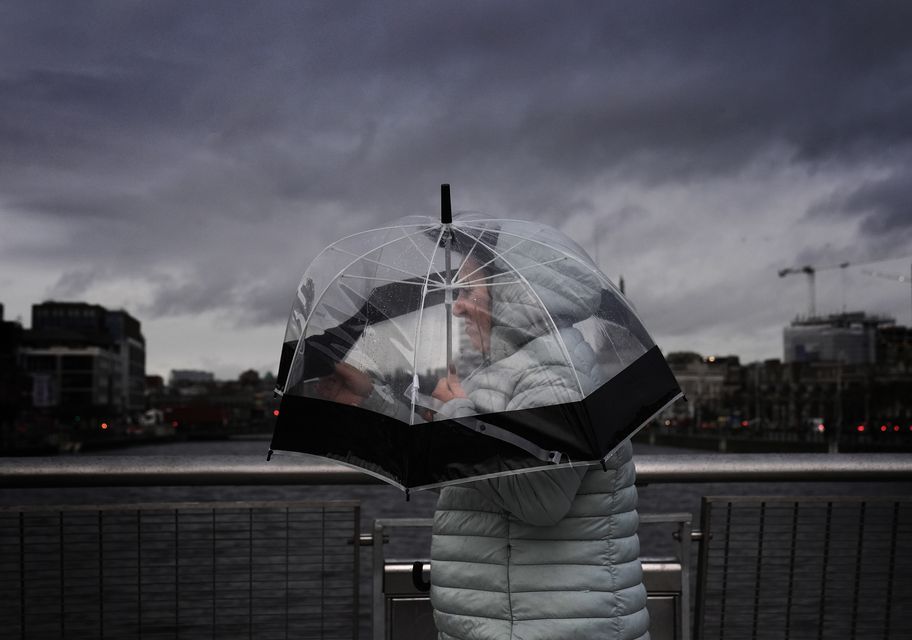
x=108, y=471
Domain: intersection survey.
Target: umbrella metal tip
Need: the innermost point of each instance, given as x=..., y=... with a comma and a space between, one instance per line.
x=446, y=209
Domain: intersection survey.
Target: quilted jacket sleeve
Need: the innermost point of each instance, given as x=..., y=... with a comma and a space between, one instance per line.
x=539, y=498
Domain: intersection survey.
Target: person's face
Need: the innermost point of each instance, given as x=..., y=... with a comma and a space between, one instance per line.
x=473, y=304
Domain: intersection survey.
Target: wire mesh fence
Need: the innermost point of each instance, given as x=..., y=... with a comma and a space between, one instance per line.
x=271, y=569
x=805, y=568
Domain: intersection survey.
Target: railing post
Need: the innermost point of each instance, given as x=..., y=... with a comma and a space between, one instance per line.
x=378, y=627
x=684, y=529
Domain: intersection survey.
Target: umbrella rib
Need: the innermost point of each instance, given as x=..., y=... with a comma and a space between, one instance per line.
x=364, y=319
x=417, y=248
x=330, y=282
x=354, y=293
x=465, y=259
x=560, y=340
x=423, y=225
x=497, y=275
x=479, y=241
x=576, y=259
x=523, y=239
x=375, y=279
x=377, y=262
x=418, y=324
x=617, y=353
x=468, y=255
x=559, y=250
x=475, y=283
x=364, y=258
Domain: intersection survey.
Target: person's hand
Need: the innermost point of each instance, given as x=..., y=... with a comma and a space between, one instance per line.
x=346, y=385
x=449, y=388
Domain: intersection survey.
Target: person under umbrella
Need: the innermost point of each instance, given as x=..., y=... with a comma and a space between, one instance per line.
x=372, y=330
x=541, y=555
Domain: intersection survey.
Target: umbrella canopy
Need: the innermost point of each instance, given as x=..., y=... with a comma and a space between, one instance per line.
x=430, y=352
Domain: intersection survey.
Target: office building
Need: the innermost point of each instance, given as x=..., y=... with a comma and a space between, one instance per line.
x=85, y=358
x=849, y=338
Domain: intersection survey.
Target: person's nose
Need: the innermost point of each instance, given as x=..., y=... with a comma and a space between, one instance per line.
x=459, y=307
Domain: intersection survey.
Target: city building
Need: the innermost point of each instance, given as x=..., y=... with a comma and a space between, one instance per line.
x=707, y=383
x=13, y=382
x=85, y=359
x=828, y=398
x=131, y=345
x=850, y=338
x=894, y=347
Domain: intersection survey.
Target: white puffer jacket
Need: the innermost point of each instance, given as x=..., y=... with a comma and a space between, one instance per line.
x=547, y=555
x=540, y=556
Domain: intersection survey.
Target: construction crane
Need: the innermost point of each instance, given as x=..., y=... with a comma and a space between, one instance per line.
x=894, y=277
x=811, y=270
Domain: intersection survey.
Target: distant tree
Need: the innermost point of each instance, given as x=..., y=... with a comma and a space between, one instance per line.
x=249, y=378
x=683, y=357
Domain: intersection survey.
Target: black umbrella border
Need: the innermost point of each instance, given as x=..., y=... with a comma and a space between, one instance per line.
x=447, y=452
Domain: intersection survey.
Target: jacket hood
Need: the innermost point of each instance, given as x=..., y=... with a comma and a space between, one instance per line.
x=541, y=289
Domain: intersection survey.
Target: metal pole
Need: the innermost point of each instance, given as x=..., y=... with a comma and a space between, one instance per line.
x=378, y=618
x=812, y=293
x=446, y=217
x=448, y=304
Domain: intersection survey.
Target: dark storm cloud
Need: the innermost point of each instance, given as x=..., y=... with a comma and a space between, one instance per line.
x=658, y=90
x=592, y=85
x=887, y=203
x=242, y=302
x=73, y=284
x=883, y=208
x=155, y=131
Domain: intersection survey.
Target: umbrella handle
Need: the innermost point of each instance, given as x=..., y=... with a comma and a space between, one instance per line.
x=418, y=580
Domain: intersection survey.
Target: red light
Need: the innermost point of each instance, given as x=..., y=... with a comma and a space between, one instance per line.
x=883, y=427
x=860, y=427
x=275, y=413
x=896, y=427
x=821, y=428
x=174, y=424
x=104, y=425
x=744, y=423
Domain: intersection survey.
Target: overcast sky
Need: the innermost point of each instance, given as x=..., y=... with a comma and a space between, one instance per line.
x=186, y=161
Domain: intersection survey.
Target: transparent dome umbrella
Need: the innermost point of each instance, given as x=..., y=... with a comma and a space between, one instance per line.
x=435, y=351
